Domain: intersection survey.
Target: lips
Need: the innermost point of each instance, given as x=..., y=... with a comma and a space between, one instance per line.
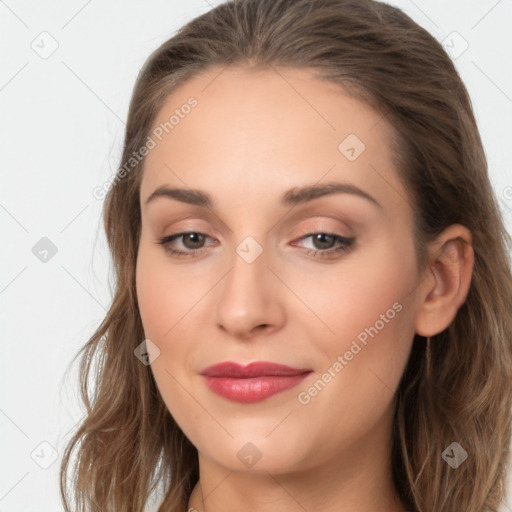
x=252, y=383
x=257, y=369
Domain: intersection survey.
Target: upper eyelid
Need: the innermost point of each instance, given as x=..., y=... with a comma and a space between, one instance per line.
x=309, y=230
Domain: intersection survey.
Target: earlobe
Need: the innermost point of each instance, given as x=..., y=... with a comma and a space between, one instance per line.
x=451, y=267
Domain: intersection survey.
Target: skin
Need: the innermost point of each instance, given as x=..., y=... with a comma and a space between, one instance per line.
x=253, y=136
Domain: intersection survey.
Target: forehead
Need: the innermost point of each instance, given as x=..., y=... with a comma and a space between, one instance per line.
x=279, y=126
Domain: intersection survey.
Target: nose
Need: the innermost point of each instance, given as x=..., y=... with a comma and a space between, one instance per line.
x=250, y=299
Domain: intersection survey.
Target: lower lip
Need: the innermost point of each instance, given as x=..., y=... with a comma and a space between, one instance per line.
x=253, y=389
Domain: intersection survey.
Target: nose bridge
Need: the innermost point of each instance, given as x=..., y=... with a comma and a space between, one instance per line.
x=248, y=298
x=247, y=282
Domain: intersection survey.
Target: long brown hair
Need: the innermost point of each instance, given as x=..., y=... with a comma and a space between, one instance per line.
x=459, y=391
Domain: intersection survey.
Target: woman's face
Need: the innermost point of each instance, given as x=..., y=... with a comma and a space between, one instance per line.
x=276, y=269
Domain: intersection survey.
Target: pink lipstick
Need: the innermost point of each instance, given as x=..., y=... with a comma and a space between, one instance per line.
x=252, y=383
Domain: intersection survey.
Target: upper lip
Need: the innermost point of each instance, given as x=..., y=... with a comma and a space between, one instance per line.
x=256, y=369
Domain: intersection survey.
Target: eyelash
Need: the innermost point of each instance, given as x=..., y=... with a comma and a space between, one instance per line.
x=346, y=245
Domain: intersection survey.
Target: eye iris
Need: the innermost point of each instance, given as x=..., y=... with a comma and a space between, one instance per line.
x=193, y=237
x=320, y=237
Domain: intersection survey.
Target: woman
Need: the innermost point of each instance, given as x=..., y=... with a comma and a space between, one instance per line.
x=243, y=363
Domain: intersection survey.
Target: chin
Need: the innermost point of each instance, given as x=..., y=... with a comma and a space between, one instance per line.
x=258, y=453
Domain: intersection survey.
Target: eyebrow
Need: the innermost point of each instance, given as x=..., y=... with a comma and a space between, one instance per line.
x=292, y=197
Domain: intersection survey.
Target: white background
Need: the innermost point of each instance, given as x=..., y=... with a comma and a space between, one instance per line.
x=61, y=131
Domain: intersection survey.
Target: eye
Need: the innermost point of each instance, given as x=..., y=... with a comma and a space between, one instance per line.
x=191, y=240
x=328, y=245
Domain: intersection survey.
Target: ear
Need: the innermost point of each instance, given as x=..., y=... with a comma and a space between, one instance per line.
x=446, y=285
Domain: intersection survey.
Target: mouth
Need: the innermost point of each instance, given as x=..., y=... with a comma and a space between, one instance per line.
x=252, y=383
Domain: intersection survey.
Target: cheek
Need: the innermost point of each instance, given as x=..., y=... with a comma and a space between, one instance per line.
x=373, y=290
x=152, y=300
x=375, y=325
x=169, y=299
x=163, y=303
x=164, y=293
x=369, y=309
